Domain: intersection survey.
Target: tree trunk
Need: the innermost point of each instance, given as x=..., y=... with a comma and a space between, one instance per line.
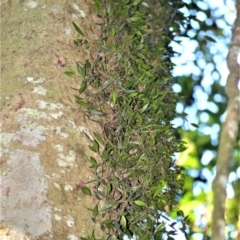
x=229, y=133
x=45, y=136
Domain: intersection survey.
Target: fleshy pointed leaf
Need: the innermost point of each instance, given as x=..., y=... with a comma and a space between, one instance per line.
x=140, y=203
x=95, y=211
x=86, y=191
x=159, y=228
x=78, y=29
x=99, y=138
x=95, y=146
x=82, y=88
x=123, y=222
x=144, y=108
x=70, y=74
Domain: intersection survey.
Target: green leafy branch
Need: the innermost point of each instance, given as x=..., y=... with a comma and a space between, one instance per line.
x=126, y=87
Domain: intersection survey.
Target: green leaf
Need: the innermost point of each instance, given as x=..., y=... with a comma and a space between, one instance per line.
x=180, y=213
x=123, y=222
x=134, y=94
x=106, y=208
x=86, y=191
x=149, y=74
x=195, y=125
x=75, y=89
x=157, y=191
x=81, y=70
x=159, y=228
x=95, y=146
x=144, y=108
x=93, y=161
x=98, y=137
x=108, y=223
x=82, y=88
x=109, y=188
x=104, y=12
x=78, y=29
x=146, y=67
x=115, y=180
x=137, y=2
x=140, y=203
x=82, y=103
x=113, y=237
x=135, y=18
x=70, y=74
x=96, y=7
x=113, y=32
x=114, y=95
x=106, y=84
x=210, y=39
x=137, y=32
x=110, y=12
x=95, y=211
x=119, y=55
x=126, y=2
x=87, y=64
x=77, y=41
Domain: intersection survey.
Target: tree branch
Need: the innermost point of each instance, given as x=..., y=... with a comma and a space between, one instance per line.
x=228, y=134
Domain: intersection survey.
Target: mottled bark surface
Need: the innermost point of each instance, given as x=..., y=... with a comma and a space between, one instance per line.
x=45, y=136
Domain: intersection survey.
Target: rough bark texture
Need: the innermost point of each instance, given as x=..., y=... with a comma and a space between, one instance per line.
x=45, y=136
x=228, y=135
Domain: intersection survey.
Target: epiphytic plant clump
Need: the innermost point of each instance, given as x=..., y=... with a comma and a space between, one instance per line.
x=126, y=87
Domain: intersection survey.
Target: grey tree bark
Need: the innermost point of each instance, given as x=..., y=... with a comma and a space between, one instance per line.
x=45, y=136
x=229, y=133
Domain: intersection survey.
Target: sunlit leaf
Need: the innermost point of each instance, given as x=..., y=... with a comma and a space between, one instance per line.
x=137, y=2
x=113, y=32
x=70, y=74
x=86, y=191
x=144, y=108
x=135, y=18
x=114, y=95
x=159, y=228
x=157, y=191
x=140, y=203
x=123, y=222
